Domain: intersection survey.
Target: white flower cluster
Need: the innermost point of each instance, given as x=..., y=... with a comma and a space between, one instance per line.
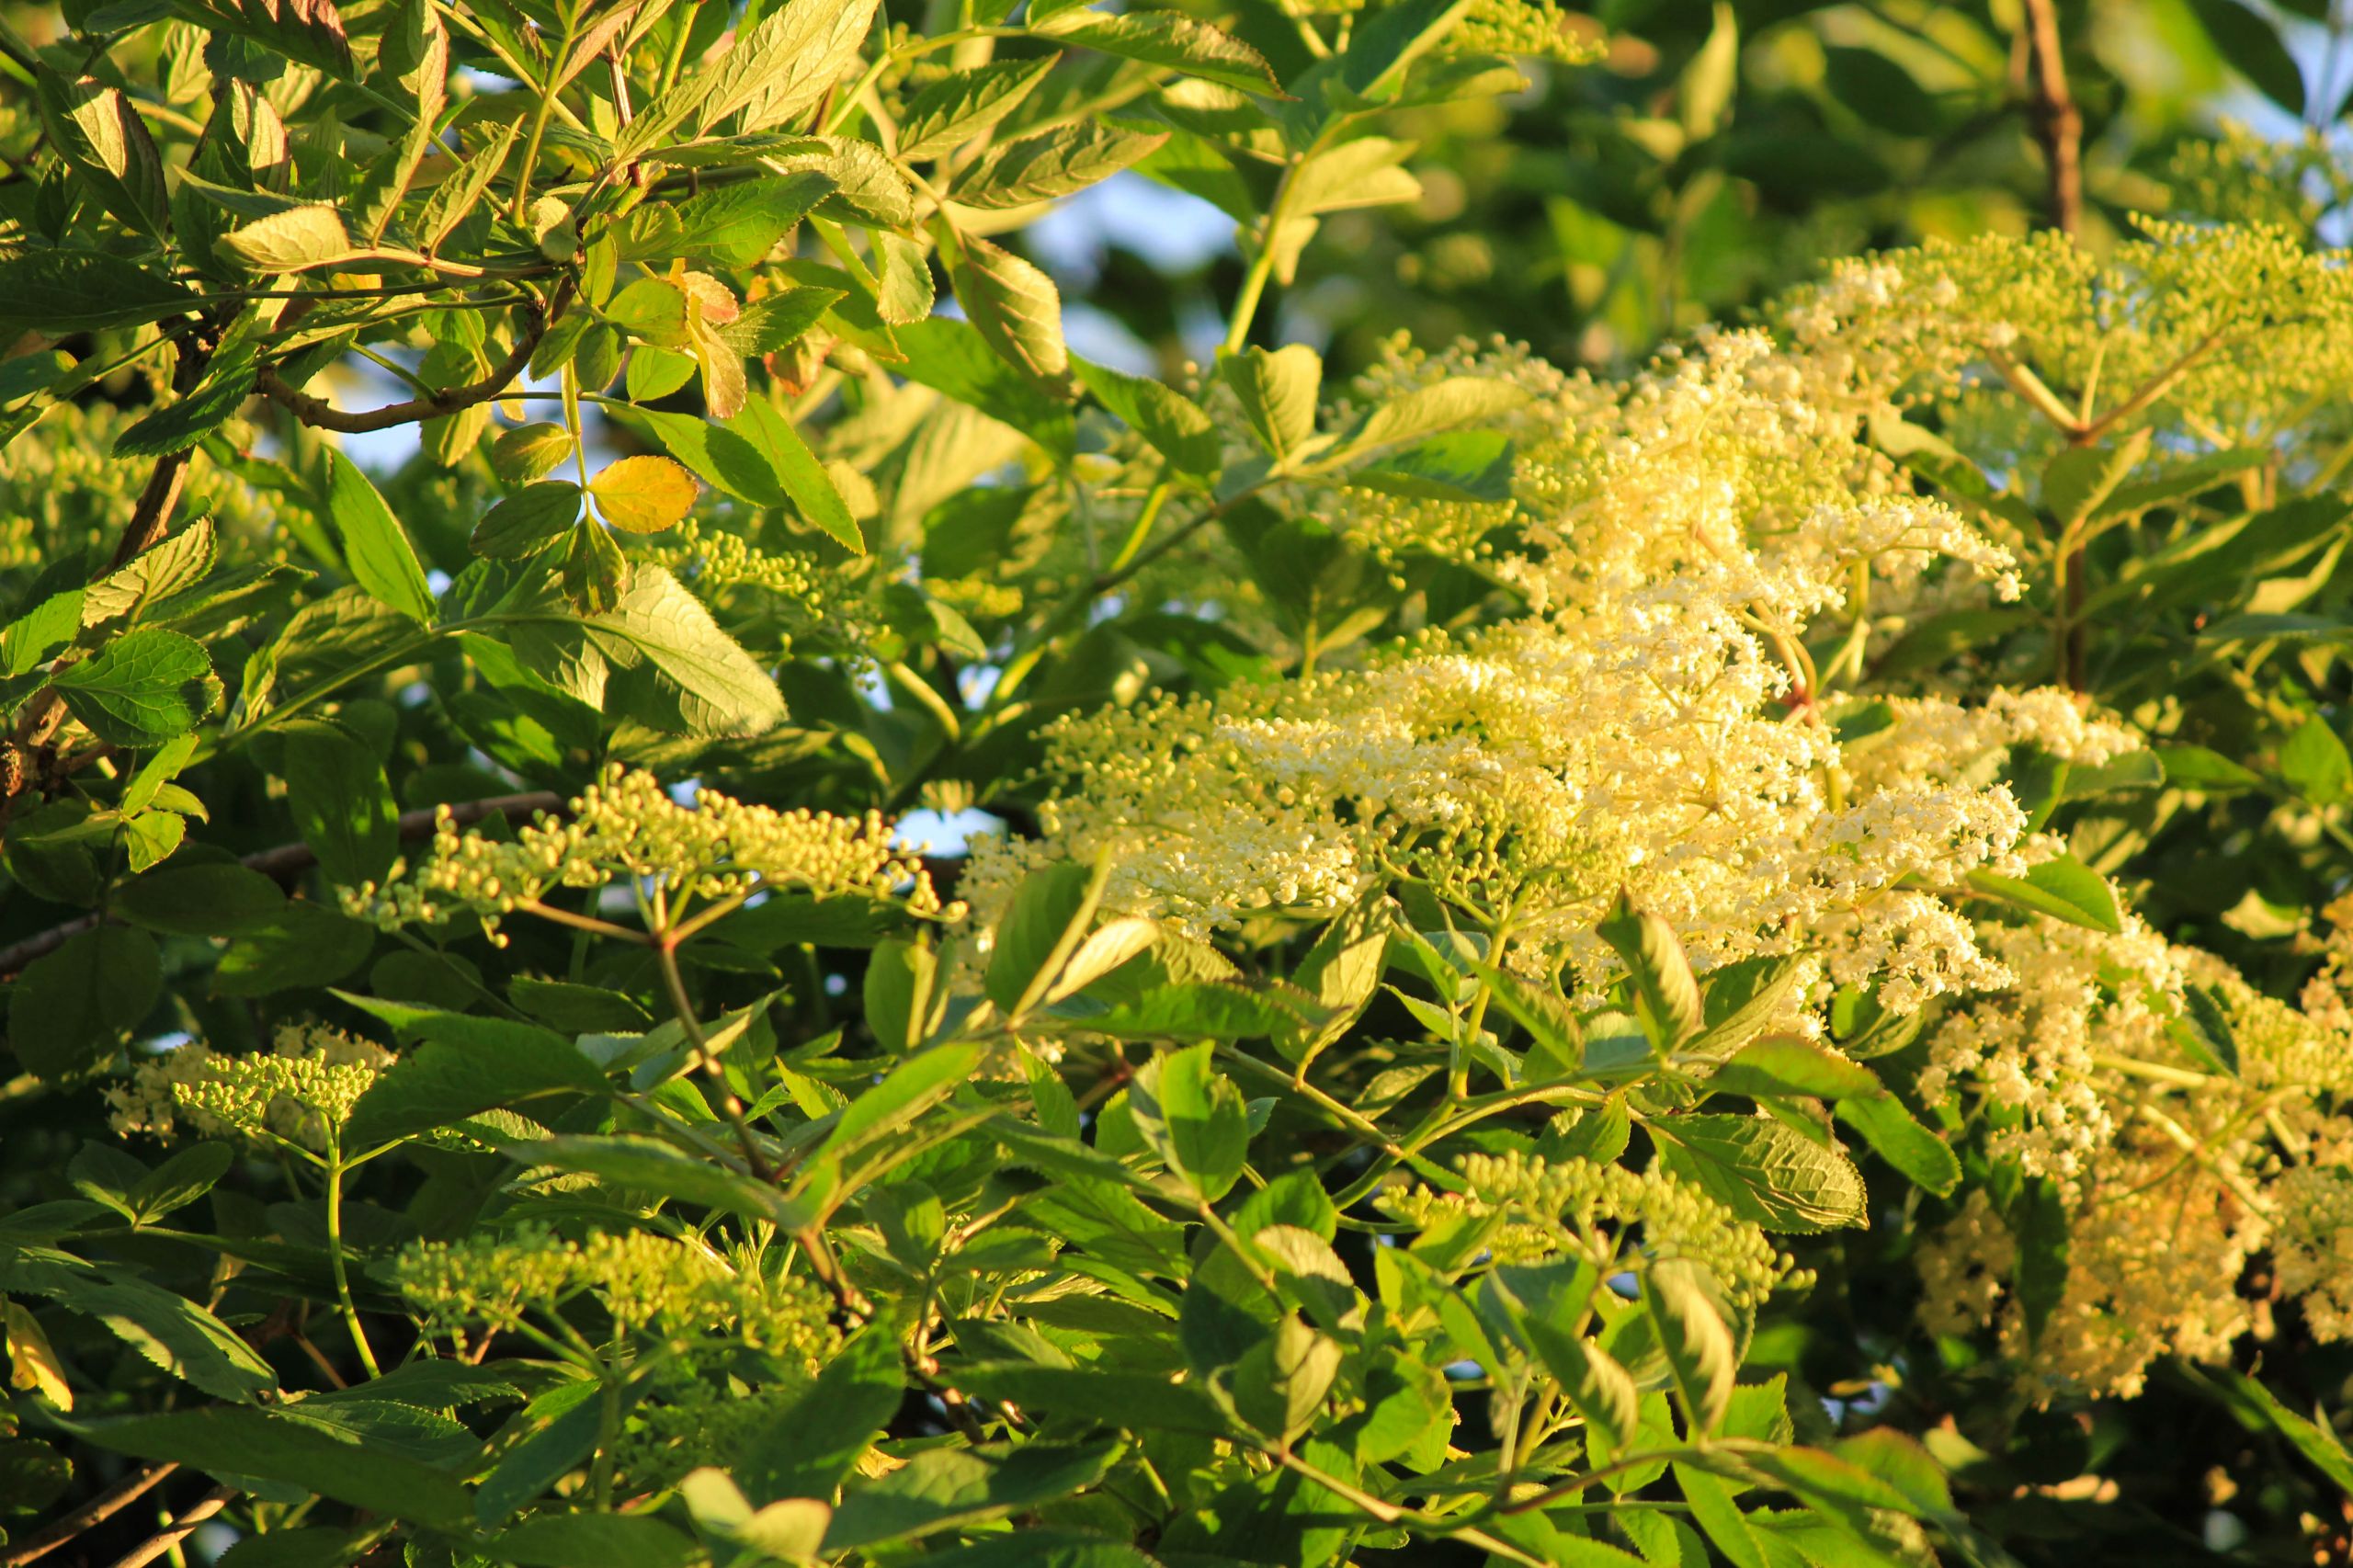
x=646, y=1283
x=297, y=1091
x=1650, y=728
x=627, y=828
x=2172, y=1174
x=1585, y=1210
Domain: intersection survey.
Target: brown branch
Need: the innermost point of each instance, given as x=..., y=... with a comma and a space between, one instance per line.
x=97, y=1511
x=324, y=415
x=287, y=861
x=151, y=519
x=2058, y=124
x=180, y=1529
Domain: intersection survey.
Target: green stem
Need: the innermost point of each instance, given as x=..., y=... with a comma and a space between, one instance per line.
x=335, y=1259
x=666, y=950
x=521, y=211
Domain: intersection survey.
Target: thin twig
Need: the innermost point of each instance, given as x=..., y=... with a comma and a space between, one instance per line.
x=285, y=862
x=2058, y=124
x=324, y=415
x=98, y=1510
x=180, y=1529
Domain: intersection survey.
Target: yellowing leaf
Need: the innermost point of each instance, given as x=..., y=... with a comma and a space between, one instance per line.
x=33, y=1366
x=644, y=494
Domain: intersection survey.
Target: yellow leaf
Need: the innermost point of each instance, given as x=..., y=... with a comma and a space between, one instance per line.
x=34, y=1365
x=644, y=495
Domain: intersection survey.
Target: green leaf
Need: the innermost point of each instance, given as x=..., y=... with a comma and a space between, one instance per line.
x=2064, y=889
x=100, y=135
x=171, y=1330
x=809, y=1446
x=296, y=240
x=2315, y=764
x=2208, y=771
x=1039, y=931
x=1277, y=394
x=30, y=375
x=2315, y=1439
x=2254, y=50
x=1700, y=1353
x=69, y=1008
x=527, y=452
x=1740, y=1001
x=902, y=1006
x=2077, y=482
x=532, y=518
x=1015, y=307
x=1446, y=405
x=1053, y=163
x=142, y=689
x=903, y=289
x=1140, y=1402
x=306, y=945
x=554, y=1434
x=1364, y=172
x=172, y=565
x=1925, y=1160
x=942, y=1487
x=656, y=655
x=719, y=456
x=2203, y=1030
x=1662, y=976
x=1195, y=1010
x=1193, y=1118
x=341, y=803
x=1718, y=1518
x=737, y=225
x=331, y=1460
x=577, y=1009
x=39, y=631
x=1764, y=1172
x=906, y=1091
x=61, y=291
x=2039, y=1221
x=1703, y=95
x=1467, y=465
x=596, y=1540
x=229, y=380
x=310, y=31
x=645, y=1165
x=1169, y=39
x=200, y=901
x=462, y=191
x=1176, y=426
x=464, y=1066
x=179, y=1181
x=959, y=105
x=375, y=546
x=776, y=69
x=1790, y=1065
x=2182, y=481
x=798, y=474
x=1896, y=1460
x=1600, y=1389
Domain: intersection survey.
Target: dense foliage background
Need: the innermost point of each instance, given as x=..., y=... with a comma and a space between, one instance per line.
x=1293, y=782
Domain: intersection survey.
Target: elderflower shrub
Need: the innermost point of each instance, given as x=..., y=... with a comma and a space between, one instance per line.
x=1723, y=952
